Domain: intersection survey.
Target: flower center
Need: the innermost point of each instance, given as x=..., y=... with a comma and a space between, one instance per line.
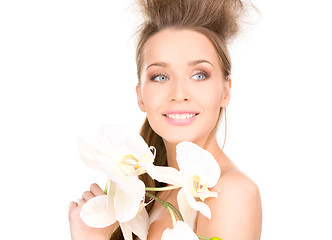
x=201, y=191
x=131, y=166
x=196, y=183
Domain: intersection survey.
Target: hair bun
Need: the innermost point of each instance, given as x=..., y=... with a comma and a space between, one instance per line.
x=219, y=16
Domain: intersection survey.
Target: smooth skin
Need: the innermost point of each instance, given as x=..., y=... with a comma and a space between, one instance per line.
x=182, y=71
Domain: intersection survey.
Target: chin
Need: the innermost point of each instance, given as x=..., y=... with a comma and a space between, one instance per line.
x=176, y=137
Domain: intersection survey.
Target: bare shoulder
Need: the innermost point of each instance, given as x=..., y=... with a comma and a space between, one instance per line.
x=237, y=212
x=236, y=184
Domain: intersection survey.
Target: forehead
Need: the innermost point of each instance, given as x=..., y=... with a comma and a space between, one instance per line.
x=179, y=47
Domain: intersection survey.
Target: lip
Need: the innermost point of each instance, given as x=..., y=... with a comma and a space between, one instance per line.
x=186, y=118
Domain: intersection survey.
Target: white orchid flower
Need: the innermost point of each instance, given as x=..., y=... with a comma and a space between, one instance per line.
x=123, y=157
x=180, y=231
x=99, y=212
x=199, y=171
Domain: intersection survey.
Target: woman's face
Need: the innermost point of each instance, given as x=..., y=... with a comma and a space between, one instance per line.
x=182, y=85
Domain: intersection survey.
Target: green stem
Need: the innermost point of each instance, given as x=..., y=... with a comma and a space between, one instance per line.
x=204, y=238
x=176, y=211
x=159, y=189
x=172, y=215
x=165, y=204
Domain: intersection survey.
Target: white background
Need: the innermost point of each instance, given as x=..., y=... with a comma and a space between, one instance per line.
x=67, y=67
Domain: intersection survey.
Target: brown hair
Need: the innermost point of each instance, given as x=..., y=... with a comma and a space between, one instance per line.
x=216, y=19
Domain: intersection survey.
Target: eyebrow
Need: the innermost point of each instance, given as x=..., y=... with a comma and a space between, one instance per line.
x=191, y=63
x=160, y=64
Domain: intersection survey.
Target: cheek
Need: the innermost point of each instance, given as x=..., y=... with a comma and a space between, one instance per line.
x=151, y=99
x=214, y=112
x=212, y=97
x=212, y=103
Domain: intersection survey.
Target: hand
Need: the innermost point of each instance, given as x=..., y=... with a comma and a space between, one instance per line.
x=78, y=229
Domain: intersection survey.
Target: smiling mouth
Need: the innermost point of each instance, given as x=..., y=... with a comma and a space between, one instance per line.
x=181, y=116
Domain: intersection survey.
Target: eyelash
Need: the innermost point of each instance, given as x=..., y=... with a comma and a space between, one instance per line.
x=202, y=73
x=153, y=78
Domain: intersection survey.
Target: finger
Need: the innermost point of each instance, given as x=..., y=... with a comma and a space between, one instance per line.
x=80, y=202
x=96, y=190
x=72, y=205
x=87, y=195
x=74, y=209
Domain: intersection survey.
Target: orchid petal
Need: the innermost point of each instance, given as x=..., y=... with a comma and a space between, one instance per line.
x=111, y=169
x=95, y=213
x=140, y=224
x=133, y=187
x=188, y=213
x=199, y=206
x=180, y=231
x=165, y=174
x=87, y=153
x=127, y=205
x=112, y=137
x=194, y=160
x=127, y=233
x=110, y=196
x=115, y=137
x=138, y=147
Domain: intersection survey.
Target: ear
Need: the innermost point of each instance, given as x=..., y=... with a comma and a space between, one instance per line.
x=227, y=92
x=139, y=99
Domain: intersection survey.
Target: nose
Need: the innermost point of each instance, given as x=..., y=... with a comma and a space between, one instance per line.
x=179, y=91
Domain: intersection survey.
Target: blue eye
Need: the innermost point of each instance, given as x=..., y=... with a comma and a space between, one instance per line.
x=200, y=76
x=159, y=78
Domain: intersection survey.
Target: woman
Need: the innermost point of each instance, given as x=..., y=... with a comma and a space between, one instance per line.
x=184, y=68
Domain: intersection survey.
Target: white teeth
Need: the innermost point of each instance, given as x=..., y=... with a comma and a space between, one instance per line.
x=181, y=116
